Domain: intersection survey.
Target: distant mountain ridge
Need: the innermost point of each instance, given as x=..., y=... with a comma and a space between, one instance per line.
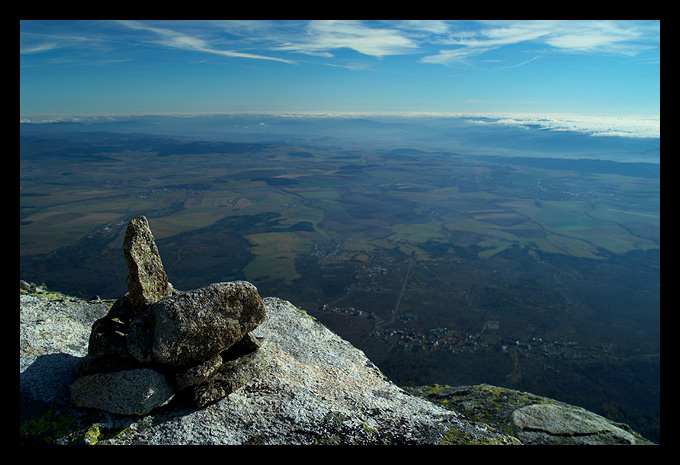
x=474, y=135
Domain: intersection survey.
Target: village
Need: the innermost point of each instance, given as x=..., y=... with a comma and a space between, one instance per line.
x=443, y=338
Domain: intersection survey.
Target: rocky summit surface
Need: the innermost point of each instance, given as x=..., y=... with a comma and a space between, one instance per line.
x=311, y=387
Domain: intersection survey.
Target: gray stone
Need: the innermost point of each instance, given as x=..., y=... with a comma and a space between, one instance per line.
x=216, y=379
x=108, y=335
x=530, y=418
x=93, y=364
x=201, y=373
x=130, y=392
x=229, y=377
x=564, y=424
x=146, y=281
x=191, y=327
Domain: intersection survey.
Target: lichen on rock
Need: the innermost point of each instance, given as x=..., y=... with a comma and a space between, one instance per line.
x=530, y=418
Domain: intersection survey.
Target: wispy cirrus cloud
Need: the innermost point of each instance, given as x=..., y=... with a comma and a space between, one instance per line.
x=171, y=38
x=435, y=41
x=252, y=39
x=575, y=36
x=39, y=47
x=32, y=42
x=322, y=37
x=94, y=36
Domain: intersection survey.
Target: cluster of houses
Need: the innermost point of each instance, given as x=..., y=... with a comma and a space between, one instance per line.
x=447, y=339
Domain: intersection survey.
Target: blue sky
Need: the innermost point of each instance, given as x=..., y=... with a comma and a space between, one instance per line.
x=459, y=66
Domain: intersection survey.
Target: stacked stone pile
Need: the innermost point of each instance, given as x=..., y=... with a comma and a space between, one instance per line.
x=156, y=341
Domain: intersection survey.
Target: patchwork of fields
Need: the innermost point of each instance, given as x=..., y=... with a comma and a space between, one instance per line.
x=378, y=245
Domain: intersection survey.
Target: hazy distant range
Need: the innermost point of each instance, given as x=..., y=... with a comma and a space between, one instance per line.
x=635, y=139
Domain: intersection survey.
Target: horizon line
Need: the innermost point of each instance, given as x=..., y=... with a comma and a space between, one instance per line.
x=335, y=113
x=616, y=125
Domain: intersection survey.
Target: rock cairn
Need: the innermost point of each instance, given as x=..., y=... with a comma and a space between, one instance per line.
x=156, y=342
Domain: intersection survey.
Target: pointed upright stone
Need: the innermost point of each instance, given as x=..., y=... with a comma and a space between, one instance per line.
x=147, y=282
